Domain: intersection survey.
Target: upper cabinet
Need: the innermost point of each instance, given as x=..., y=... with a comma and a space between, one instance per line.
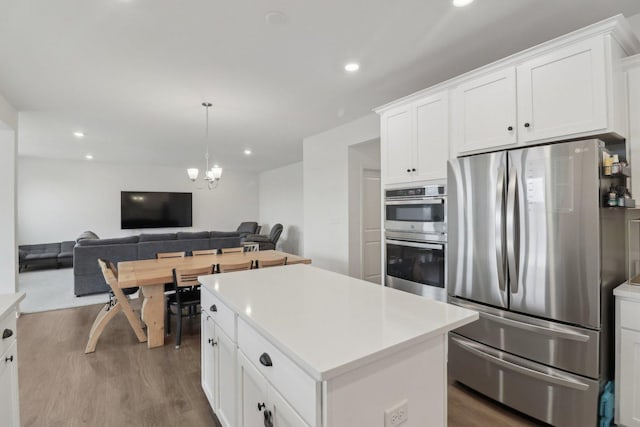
x=561, y=93
x=567, y=88
x=484, y=112
x=564, y=92
x=415, y=140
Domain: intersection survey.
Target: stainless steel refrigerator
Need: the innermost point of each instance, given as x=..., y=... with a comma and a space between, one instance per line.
x=532, y=249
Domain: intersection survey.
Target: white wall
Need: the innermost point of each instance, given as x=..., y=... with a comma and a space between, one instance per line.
x=634, y=21
x=281, y=201
x=326, y=184
x=58, y=199
x=8, y=144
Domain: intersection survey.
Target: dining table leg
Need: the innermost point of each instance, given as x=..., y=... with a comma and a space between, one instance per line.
x=153, y=308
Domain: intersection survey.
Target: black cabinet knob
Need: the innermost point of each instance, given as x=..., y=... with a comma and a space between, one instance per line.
x=408, y=170
x=510, y=128
x=6, y=333
x=213, y=308
x=261, y=406
x=527, y=125
x=9, y=359
x=214, y=343
x=265, y=359
x=210, y=340
x=413, y=170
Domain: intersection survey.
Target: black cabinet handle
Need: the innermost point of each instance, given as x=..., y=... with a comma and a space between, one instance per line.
x=510, y=128
x=210, y=340
x=213, y=308
x=214, y=343
x=527, y=125
x=413, y=170
x=9, y=359
x=7, y=333
x=408, y=170
x=265, y=359
x=261, y=406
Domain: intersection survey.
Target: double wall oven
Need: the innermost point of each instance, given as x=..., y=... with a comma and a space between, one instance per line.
x=416, y=239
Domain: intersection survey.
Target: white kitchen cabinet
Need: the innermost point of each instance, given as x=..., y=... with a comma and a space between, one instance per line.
x=415, y=140
x=627, y=379
x=484, y=112
x=260, y=404
x=563, y=92
x=9, y=401
x=572, y=91
x=218, y=364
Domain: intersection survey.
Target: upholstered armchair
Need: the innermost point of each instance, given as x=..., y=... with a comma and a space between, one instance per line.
x=246, y=228
x=266, y=242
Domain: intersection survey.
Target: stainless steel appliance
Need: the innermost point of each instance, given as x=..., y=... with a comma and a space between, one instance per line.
x=416, y=264
x=416, y=209
x=415, y=232
x=532, y=250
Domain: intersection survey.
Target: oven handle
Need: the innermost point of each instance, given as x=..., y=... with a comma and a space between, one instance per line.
x=415, y=244
x=436, y=201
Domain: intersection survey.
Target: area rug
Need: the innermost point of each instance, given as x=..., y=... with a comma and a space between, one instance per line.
x=52, y=290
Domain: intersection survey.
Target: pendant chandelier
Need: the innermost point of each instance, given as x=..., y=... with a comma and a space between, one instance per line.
x=211, y=176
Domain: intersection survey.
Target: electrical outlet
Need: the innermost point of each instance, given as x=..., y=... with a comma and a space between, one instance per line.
x=397, y=415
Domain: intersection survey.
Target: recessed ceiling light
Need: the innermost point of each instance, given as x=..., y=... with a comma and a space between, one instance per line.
x=462, y=3
x=78, y=134
x=89, y=157
x=352, y=67
x=247, y=152
x=275, y=17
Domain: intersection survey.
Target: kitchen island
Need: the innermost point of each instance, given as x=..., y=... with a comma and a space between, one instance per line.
x=302, y=346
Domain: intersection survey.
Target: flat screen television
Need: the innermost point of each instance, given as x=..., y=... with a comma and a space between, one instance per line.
x=147, y=209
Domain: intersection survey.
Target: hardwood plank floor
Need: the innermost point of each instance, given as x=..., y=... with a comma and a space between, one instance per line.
x=125, y=384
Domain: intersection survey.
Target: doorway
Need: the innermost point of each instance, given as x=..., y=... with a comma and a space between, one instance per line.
x=371, y=220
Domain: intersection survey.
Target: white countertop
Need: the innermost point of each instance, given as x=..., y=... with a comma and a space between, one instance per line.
x=329, y=323
x=9, y=300
x=627, y=291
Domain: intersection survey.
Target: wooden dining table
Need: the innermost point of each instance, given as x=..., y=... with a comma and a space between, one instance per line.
x=152, y=274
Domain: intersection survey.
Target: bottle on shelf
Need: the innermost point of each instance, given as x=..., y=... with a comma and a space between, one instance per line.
x=612, y=200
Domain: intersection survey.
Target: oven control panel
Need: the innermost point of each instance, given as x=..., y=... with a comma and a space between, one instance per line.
x=413, y=192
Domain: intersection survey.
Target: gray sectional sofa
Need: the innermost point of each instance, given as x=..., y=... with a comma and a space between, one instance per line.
x=88, y=277
x=57, y=255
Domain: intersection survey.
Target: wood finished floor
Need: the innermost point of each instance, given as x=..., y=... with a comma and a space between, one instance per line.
x=125, y=384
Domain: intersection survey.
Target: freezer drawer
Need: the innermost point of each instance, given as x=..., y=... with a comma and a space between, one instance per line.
x=550, y=395
x=564, y=347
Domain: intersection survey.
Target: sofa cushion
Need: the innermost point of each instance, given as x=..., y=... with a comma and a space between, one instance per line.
x=225, y=234
x=113, y=241
x=157, y=237
x=42, y=255
x=186, y=235
x=41, y=248
x=62, y=255
x=87, y=235
x=248, y=227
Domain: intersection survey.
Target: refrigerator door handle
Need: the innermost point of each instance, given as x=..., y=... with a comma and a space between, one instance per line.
x=511, y=230
x=564, y=382
x=499, y=228
x=554, y=332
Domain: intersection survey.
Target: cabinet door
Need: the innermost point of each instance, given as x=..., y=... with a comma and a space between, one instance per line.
x=283, y=414
x=563, y=93
x=208, y=363
x=398, y=143
x=226, y=356
x=252, y=392
x=629, y=399
x=484, y=112
x=9, y=410
x=432, y=137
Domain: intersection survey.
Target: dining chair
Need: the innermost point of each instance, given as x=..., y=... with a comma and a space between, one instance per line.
x=186, y=296
x=118, y=301
x=168, y=287
x=263, y=263
x=239, y=266
x=232, y=250
x=161, y=255
x=205, y=252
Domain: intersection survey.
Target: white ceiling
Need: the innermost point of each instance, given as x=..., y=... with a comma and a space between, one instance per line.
x=131, y=74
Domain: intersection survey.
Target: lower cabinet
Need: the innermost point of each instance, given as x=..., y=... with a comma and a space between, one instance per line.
x=628, y=360
x=9, y=388
x=218, y=370
x=260, y=404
